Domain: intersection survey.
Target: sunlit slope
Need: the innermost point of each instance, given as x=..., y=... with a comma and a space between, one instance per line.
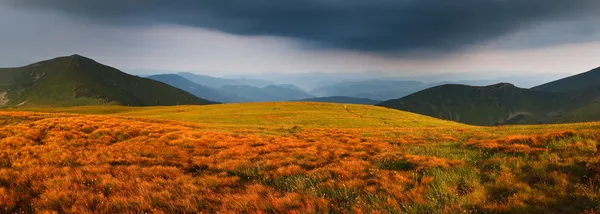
x=305, y=114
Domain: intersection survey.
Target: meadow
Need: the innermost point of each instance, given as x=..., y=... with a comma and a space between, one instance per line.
x=289, y=158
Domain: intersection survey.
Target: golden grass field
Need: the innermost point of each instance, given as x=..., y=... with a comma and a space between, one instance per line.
x=288, y=158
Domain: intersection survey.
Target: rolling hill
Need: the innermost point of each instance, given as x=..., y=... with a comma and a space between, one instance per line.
x=77, y=80
x=236, y=116
x=196, y=89
x=342, y=99
x=489, y=105
x=583, y=99
x=571, y=99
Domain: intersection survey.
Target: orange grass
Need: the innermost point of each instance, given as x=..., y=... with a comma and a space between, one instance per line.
x=98, y=164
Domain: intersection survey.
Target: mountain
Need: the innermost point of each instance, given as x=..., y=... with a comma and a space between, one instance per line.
x=584, y=106
x=371, y=89
x=484, y=78
x=584, y=96
x=312, y=80
x=342, y=99
x=489, y=105
x=77, y=80
x=196, y=89
x=253, y=82
x=291, y=87
x=571, y=99
x=287, y=92
x=391, y=88
x=235, y=93
x=579, y=82
x=268, y=93
x=215, y=82
x=586, y=113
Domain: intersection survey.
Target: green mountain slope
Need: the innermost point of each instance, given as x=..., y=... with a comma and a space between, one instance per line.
x=76, y=80
x=195, y=89
x=490, y=105
x=571, y=99
x=342, y=99
x=587, y=113
x=580, y=82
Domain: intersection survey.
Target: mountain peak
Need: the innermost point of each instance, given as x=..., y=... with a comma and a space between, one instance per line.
x=76, y=56
x=77, y=60
x=502, y=85
x=79, y=57
x=78, y=80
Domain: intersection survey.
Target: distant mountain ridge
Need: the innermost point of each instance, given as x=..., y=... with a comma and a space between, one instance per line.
x=77, y=80
x=198, y=90
x=371, y=89
x=380, y=89
x=216, y=82
x=374, y=87
x=235, y=93
x=267, y=93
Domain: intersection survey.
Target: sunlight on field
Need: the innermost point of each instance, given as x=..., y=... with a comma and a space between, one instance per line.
x=271, y=114
x=286, y=157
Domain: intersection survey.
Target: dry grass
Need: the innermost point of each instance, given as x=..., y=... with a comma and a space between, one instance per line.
x=68, y=163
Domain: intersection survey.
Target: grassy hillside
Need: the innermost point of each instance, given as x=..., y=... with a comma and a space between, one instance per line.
x=580, y=82
x=289, y=157
x=586, y=113
x=76, y=80
x=583, y=98
x=489, y=105
x=278, y=114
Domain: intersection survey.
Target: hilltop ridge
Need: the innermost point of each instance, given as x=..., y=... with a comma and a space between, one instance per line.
x=580, y=82
x=501, y=103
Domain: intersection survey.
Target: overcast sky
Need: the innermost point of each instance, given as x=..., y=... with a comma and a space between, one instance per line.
x=223, y=37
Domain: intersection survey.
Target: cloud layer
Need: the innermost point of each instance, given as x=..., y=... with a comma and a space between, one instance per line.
x=381, y=26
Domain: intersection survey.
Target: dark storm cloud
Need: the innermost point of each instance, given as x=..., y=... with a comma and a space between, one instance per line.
x=365, y=25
